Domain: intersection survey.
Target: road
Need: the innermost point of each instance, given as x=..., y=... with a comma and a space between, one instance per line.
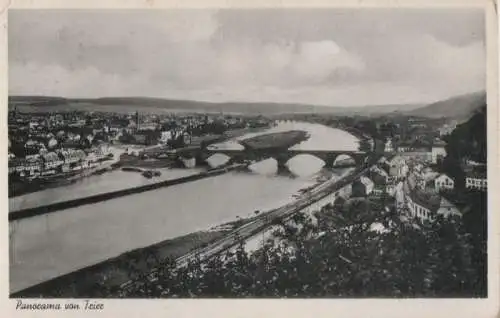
x=265, y=220
x=250, y=229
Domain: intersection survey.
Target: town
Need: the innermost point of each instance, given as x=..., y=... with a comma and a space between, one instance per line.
x=426, y=170
x=325, y=153
x=52, y=147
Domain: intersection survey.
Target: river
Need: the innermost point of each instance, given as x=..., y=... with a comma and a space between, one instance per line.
x=46, y=246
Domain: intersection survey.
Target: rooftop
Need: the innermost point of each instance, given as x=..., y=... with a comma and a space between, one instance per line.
x=427, y=200
x=476, y=174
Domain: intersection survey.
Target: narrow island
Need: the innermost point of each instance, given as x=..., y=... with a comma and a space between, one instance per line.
x=280, y=140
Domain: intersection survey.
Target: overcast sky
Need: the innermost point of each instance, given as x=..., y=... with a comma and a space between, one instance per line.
x=328, y=56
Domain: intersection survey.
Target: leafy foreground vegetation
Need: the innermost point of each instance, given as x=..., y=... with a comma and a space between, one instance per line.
x=336, y=253
x=467, y=142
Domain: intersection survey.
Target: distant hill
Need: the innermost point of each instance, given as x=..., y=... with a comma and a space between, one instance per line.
x=244, y=107
x=458, y=107
x=128, y=104
x=37, y=100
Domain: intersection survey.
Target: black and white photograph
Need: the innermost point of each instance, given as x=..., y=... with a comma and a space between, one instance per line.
x=248, y=153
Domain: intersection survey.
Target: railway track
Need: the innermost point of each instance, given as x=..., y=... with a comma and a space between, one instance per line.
x=248, y=230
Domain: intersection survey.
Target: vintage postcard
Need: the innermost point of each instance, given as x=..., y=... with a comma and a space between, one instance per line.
x=242, y=159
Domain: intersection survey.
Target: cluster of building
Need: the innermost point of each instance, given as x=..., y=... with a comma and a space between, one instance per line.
x=381, y=179
x=59, y=161
x=133, y=128
x=447, y=128
x=417, y=190
x=426, y=151
x=423, y=192
x=421, y=197
x=47, y=144
x=42, y=144
x=180, y=129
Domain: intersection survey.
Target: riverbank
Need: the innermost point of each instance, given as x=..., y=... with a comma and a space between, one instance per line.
x=18, y=188
x=52, y=245
x=110, y=274
x=49, y=208
x=91, y=281
x=149, y=163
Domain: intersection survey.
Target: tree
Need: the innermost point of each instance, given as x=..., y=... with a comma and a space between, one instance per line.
x=431, y=259
x=467, y=141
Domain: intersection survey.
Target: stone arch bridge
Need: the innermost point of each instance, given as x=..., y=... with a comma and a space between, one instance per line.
x=282, y=156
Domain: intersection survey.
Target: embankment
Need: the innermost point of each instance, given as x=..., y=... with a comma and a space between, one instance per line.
x=30, y=212
x=98, y=280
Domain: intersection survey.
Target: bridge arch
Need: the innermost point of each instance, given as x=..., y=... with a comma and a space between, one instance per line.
x=284, y=157
x=217, y=159
x=266, y=166
x=305, y=164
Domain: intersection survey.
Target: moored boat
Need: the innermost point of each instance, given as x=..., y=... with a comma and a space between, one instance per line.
x=148, y=174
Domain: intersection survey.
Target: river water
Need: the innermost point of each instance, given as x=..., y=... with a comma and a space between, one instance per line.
x=50, y=245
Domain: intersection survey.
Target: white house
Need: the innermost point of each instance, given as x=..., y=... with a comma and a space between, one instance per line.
x=35, y=156
x=398, y=167
x=418, y=167
x=388, y=145
x=166, y=136
x=73, y=156
x=420, y=154
x=447, y=208
x=148, y=126
x=92, y=157
x=378, y=228
x=425, y=206
x=443, y=182
x=397, y=160
x=51, y=160
x=33, y=166
x=426, y=178
x=447, y=129
x=472, y=163
x=391, y=189
x=362, y=187
x=52, y=142
x=476, y=180
x=418, y=206
x=187, y=138
x=404, y=147
x=438, y=151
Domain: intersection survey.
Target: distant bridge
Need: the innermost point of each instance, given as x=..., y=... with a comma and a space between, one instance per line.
x=331, y=158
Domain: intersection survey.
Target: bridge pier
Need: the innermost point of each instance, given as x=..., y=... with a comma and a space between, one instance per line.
x=329, y=160
x=283, y=170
